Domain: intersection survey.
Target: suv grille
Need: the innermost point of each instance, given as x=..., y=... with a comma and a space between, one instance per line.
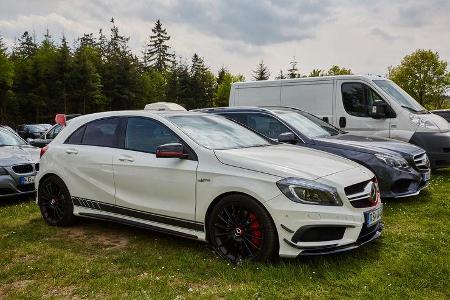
x=421, y=161
x=359, y=194
x=23, y=169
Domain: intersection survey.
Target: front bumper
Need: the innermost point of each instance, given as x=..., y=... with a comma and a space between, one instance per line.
x=290, y=218
x=10, y=183
x=437, y=146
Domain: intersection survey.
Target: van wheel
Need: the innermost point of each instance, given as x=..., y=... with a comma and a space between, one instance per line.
x=55, y=202
x=241, y=230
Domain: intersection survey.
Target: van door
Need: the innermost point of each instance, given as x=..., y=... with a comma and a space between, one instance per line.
x=354, y=109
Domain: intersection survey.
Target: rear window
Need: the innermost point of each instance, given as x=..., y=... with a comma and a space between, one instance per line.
x=76, y=137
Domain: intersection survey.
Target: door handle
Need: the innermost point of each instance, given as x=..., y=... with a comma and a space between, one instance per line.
x=342, y=122
x=72, y=151
x=125, y=158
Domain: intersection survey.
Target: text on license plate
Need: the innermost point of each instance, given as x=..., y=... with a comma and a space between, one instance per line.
x=374, y=216
x=26, y=180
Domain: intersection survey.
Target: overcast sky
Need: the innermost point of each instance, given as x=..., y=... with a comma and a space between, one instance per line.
x=366, y=36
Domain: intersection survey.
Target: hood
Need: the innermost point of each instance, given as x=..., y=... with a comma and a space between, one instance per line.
x=13, y=155
x=438, y=120
x=368, y=144
x=286, y=161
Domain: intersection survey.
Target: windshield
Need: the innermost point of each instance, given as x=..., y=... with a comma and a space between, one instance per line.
x=217, y=133
x=307, y=124
x=399, y=95
x=35, y=128
x=7, y=138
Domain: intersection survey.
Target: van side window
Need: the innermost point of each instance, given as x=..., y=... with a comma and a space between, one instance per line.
x=103, y=133
x=266, y=125
x=358, y=99
x=146, y=135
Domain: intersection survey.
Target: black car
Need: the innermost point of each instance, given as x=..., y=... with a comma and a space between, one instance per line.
x=31, y=131
x=445, y=113
x=402, y=169
x=46, y=137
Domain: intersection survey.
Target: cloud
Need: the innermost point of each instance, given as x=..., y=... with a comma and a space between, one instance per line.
x=383, y=35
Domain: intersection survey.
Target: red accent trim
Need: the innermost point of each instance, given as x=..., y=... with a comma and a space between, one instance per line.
x=174, y=154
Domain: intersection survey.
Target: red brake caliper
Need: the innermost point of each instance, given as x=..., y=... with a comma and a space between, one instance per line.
x=255, y=228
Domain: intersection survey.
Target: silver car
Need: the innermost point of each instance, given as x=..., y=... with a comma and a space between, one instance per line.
x=18, y=165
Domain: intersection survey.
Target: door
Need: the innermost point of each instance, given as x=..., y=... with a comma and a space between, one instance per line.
x=354, y=109
x=162, y=186
x=87, y=160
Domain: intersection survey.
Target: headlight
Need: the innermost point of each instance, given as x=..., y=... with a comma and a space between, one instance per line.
x=422, y=122
x=309, y=192
x=393, y=161
x=3, y=171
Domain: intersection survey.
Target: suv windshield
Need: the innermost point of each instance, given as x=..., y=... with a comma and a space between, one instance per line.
x=400, y=96
x=307, y=124
x=7, y=138
x=217, y=133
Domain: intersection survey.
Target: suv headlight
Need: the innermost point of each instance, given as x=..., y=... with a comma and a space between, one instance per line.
x=422, y=122
x=393, y=161
x=309, y=192
x=3, y=171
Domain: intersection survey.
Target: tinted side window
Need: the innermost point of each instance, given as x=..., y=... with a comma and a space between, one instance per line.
x=104, y=133
x=239, y=117
x=266, y=125
x=76, y=137
x=54, y=132
x=354, y=99
x=146, y=135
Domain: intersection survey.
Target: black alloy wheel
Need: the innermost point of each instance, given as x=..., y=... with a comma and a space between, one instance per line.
x=55, y=202
x=241, y=230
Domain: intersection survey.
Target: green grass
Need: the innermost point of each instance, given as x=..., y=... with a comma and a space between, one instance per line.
x=97, y=259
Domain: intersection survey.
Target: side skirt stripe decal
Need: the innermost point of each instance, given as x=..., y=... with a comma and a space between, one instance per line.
x=137, y=214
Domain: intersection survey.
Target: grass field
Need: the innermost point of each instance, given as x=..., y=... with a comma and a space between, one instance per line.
x=97, y=259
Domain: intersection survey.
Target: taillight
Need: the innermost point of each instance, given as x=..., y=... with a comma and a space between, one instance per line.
x=43, y=150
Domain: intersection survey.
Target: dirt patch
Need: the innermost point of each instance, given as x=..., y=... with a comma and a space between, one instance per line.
x=66, y=292
x=16, y=285
x=109, y=238
x=26, y=258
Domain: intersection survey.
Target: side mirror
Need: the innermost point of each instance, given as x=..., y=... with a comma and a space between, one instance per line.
x=287, y=137
x=174, y=150
x=379, y=110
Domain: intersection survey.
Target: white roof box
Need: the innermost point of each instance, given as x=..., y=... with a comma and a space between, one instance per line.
x=164, y=106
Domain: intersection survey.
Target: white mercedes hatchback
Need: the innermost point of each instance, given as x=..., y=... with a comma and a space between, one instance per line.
x=204, y=177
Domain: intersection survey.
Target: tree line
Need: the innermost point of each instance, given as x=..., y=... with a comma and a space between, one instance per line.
x=100, y=72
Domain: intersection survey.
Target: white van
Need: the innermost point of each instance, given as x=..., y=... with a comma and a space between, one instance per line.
x=366, y=105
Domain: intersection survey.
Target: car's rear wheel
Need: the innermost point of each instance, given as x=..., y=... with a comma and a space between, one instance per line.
x=55, y=202
x=240, y=229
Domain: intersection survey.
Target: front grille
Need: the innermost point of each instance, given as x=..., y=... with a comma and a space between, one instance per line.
x=421, y=161
x=26, y=187
x=36, y=167
x=23, y=169
x=359, y=194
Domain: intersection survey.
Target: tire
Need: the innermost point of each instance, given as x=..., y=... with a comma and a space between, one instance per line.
x=55, y=202
x=240, y=229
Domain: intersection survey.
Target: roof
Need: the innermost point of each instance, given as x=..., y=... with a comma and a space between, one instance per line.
x=321, y=78
x=247, y=109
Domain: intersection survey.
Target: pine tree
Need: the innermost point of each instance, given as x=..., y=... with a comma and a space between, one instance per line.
x=64, y=68
x=261, y=72
x=293, y=70
x=27, y=46
x=156, y=52
x=316, y=73
x=221, y=75
x=281, y=75
x=6, y=82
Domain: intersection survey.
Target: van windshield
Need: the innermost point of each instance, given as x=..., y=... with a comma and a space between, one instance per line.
x=400, y=96
x=217, y=133
x=307, y=124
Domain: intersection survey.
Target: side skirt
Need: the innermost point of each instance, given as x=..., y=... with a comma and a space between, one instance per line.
x=137, y=224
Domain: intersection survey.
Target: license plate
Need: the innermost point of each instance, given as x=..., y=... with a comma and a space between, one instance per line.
x=26, y=180
x=374, y=216
x=426, y=176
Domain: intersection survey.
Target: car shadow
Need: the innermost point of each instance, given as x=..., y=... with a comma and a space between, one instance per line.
x=14, y=200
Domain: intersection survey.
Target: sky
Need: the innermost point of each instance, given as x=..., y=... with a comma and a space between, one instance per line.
x=365, y=36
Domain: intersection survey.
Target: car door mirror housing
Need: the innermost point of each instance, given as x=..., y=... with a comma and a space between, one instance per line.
x=173, y=150
x=287, y=137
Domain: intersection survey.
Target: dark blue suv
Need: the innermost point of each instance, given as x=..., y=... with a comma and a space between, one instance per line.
x=402, y=169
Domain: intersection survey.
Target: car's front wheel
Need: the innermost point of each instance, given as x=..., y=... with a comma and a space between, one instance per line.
x=240, y=229
x=55, y=202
